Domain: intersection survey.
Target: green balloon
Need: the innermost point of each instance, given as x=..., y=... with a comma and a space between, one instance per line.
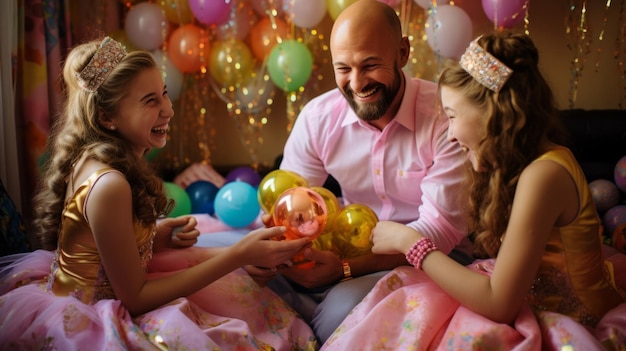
x=182, y=202
x=290, y=64
x=153, y=153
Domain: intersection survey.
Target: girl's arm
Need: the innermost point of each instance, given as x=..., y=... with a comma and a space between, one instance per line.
x=545, y=197
x=109, y=210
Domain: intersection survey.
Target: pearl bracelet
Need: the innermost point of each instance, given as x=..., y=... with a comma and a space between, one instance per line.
x=419, y=250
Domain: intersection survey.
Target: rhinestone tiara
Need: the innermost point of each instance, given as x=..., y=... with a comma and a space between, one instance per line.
x=484, y=67
x=108, y=55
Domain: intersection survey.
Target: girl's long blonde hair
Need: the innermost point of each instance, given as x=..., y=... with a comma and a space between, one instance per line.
x=519, y=117
x=77, y=133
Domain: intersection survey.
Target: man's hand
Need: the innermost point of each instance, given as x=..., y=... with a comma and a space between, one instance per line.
x=327, y=270
x=199, y=171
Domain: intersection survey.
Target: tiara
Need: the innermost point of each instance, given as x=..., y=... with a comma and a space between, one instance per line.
x=484, y=67
x=107, y=56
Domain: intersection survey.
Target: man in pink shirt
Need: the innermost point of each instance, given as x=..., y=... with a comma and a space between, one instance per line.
x=382, y=136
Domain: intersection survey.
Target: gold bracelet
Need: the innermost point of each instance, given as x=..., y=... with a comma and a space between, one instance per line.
x=347, y=272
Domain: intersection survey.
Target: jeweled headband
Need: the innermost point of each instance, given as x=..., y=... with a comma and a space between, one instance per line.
x=484, y=67
x=108, y=55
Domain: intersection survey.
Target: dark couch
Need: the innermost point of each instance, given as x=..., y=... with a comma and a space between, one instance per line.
x=597, y=139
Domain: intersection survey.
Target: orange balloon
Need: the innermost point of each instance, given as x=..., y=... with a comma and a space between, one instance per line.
x=189, y=48
x=177, y=11
x=231, y=62
x=264, y=36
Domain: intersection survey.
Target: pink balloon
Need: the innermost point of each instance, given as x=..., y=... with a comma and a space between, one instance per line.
x=210, y=11
x=305, y=13
x=449, y=31
x=144, y=26
x=504, y=13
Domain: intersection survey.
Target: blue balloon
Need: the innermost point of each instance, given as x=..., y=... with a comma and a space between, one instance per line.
x=236, y=204
x=202, y=195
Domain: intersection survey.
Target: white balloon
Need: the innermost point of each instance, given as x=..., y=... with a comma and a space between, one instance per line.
x=449, y=31
x=426, y=4
x=145, y=26
x=172, y=77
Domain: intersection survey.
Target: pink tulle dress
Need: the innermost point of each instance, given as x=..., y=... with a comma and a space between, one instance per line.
x=577, y=301
x=62, y=300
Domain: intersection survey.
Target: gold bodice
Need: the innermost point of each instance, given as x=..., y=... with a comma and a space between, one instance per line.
x=573, y=278
x=77, y=269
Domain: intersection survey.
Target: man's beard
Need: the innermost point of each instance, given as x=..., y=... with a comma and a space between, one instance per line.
x=374, y=110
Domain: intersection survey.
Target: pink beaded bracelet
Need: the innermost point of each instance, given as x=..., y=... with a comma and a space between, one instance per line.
x=419, y=250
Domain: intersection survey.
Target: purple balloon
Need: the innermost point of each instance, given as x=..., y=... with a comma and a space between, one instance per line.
x=244, y=174
x=210, y=11
x=504, y=13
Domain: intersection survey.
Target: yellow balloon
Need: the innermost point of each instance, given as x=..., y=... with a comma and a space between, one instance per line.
x=231, y=62
x=332, y=205
x=274, y=184
x=336, y=6
x=352, y=228
x=177, y=11
x=325, y=241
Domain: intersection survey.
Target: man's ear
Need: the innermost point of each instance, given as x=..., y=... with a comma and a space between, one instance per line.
x=405, y=51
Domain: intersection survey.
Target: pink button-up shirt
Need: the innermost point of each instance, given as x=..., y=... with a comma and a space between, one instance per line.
x=407, y=173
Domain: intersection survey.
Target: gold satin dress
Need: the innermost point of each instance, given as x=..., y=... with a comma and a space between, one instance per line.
x=77, y=269
x=573, y=278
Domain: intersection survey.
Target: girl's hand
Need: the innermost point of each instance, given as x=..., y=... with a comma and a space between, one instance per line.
x=393, y=238
x=178, y=232
x=257, y=249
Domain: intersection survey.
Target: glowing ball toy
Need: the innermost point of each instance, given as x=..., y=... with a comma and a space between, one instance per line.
x=202, y=195
x=605, y=194
x=620, y=174
x=236, y=204
x=274, y=184
x=303, y=212
x=353, y=227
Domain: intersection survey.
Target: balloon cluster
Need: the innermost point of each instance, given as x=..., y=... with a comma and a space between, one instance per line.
x=235, y=203
x=231, y=38
x=609, y=198
x=228, y=38
x=315, y=212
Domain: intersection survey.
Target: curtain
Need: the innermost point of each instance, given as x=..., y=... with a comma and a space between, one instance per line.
x=9, y=163
x=31, y=97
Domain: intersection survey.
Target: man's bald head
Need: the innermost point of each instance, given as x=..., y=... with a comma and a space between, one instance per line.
x=368, y=17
